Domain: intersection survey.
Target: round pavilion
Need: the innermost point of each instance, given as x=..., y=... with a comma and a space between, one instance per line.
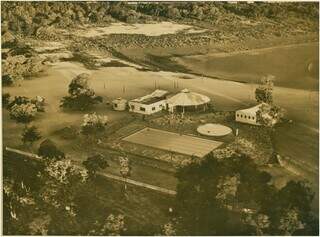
x=188, y=101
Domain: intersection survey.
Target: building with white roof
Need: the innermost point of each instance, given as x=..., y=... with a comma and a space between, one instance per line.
x=186, y=100
x=248, y=115
x=149, y=104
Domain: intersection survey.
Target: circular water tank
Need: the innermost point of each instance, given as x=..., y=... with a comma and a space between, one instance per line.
x=214, y=130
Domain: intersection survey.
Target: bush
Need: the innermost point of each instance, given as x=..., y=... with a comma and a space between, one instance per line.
x=18, y=100
x=30, y=134
x=5, y=99
x=93, y=124
x=81, y=97
x=7, y=80
x=23, y=113
x=95, y=163
x=48, y=149
x=38, y=102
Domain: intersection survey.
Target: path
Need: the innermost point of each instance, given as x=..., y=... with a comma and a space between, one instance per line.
x=103, y=174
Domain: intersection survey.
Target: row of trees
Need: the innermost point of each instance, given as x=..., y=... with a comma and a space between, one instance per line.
x=60, y=197
x=231, y=196
x=28, y=18
x=20, y=61
x=24, y=110
x=213, y=10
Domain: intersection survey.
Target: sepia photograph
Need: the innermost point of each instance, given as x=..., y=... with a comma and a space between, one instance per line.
x=160, y=118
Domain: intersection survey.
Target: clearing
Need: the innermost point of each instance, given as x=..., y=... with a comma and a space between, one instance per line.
x=155, y=29
x=294, y=66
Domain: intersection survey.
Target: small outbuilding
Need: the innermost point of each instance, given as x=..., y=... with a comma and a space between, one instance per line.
x=188, y=101
x=248, y=115
x=149, y=104
x=119, y=104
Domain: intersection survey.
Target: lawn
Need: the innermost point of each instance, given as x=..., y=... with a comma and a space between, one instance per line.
x=113, y=82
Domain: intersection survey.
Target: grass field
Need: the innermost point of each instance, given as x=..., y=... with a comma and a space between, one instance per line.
x=173, y=142
x=299, y=141
x=295, y=66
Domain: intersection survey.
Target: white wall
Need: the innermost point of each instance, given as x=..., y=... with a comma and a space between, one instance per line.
x=158, y=106
x=246, y=118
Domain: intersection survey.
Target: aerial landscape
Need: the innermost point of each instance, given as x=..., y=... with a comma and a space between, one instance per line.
x=160, y=118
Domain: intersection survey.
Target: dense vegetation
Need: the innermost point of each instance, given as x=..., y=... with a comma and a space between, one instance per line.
x=19, y=15
x=230, y=196
x=33, y=17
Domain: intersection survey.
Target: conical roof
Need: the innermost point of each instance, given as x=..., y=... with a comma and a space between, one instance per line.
x=188, y=98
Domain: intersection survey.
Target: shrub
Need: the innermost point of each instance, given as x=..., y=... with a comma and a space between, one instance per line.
x=264, y=91
x=48, y=149
x=7, y=80
x=81, y=97
x=93, y=124
x=30, y=134
x=5, y=99
x=23, y=113
x=18, y=100
x=95, y=163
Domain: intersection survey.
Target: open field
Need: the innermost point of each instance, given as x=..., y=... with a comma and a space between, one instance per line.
x=295, y=66
x=154, y=29
x=112, y=82
x=173, y=142
x=128, y=82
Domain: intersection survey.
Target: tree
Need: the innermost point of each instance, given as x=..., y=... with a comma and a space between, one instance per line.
x=93, y=124
x=95, y=163
x=231, y=196
x=259, y=221
x=125, y=168
x=268, y=115
x=115, y=225
x=39, y=102
x=48, y=149
x=30, y=134
x=18, y=100
x=23, y=113
x=5, y=99
x=265, y=90
x=16, y=199
x=61, y=183
x=289, y=223
x=8, y=39
x=173, y=13
x=7, y=80
x=81, y=97
x=168, y=229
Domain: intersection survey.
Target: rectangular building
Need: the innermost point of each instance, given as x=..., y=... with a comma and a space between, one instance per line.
x=149, y=104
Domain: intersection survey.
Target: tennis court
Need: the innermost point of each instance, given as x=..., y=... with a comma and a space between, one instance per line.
x=184, y=144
